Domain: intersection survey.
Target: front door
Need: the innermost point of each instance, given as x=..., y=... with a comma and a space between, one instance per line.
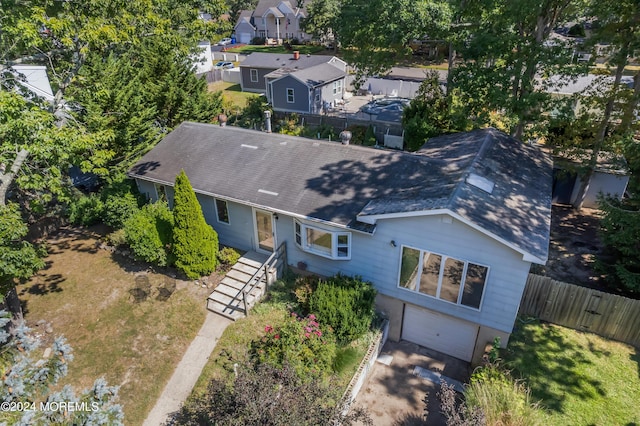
x=265, y=237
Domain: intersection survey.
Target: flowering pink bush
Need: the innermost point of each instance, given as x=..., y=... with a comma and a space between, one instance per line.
x=301, y=342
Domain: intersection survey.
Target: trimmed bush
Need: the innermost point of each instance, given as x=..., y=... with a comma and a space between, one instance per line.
x=86, y=210
x=149, y=233
x=195, y=242
x=299, y=342
x=229, y=256
x=346, y=304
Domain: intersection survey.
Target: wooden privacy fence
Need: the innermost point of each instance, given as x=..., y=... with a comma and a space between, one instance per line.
x=581, y=308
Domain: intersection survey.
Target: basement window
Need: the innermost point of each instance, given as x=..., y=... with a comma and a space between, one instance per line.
x=330, y=244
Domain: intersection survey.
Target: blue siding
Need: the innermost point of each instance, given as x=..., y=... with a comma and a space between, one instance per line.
x=279, y=95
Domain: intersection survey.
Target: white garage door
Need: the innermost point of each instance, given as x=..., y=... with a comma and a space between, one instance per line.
x=439, y=332
x=244, y=38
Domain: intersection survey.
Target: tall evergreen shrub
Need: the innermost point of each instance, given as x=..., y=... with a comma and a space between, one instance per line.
x=195, y=242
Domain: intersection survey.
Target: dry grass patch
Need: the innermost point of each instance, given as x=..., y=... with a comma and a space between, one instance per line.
x=86, y=294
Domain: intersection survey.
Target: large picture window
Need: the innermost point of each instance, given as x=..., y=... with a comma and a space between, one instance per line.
x=330, y=244
x=443, y=277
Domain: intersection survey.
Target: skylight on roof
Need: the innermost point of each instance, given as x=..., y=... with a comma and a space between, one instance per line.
x=480, y=182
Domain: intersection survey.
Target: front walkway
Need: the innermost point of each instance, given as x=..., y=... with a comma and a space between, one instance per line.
x=188, y=370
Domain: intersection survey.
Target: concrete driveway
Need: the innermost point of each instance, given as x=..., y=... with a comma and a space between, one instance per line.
x=394, y=394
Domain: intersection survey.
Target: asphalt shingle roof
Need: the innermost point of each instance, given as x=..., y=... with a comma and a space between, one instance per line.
x=283, y=60
x=336, y=183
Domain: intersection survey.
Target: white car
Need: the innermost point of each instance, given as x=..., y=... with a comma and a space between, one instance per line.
x=223, y=64
x=224, y=41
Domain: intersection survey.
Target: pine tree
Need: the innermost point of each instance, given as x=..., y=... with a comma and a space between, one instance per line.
x=195, y=242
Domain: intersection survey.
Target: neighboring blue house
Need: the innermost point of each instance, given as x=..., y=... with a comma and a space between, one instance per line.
x=446, y=234
x=293, y=82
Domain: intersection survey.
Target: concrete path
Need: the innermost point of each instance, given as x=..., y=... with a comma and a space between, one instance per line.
x=188, y=370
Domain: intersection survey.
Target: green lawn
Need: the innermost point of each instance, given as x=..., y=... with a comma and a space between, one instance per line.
x=579, y=378
x=302, y=48
x=232, y=93
x=85, y=293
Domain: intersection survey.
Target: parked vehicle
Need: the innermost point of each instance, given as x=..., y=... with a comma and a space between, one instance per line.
x=223, y=64
x=224, y=41
x=386, y=104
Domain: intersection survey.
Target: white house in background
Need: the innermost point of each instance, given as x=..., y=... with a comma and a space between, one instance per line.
x=446, y=234
x=204, y=61
x=34, y=79
x=273, y=19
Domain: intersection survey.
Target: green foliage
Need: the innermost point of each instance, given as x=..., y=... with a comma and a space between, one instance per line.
x=502, y=399
x=323, y=131
x=252, y=115
x=428, y=113
x=346, y=304
x=375, y=35
x=620, y=232
x=195, y=242
x=370, y=137
x=149, y=233
x=289, y=125
x=121, y=200
x=300, y=342
x=345, y=358
x=267, y=395
x=117, y=238
x=304, y=287
x=86, y=210
x=229, y=256
x=18, y=258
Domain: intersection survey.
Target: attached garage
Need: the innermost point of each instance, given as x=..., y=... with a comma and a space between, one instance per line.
x=440, y=332
x=244, y=38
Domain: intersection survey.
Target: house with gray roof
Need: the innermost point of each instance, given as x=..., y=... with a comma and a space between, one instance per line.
x=446, y=234
x=293, y=82
x=277, y=20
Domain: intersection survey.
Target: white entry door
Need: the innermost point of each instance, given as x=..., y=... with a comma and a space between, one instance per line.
x=440, y=332
x=264, y=231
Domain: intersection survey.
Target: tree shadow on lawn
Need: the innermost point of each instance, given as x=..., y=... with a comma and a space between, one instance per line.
x=552, y=366
x=636, y=358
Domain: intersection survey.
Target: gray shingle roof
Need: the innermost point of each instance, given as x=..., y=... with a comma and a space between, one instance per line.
x=283, y=60
x=336, y=183
x=319, y=74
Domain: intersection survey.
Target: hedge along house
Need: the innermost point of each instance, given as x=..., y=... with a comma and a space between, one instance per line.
x=447, y=234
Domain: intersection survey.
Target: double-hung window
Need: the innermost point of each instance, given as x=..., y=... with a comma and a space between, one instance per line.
x=254, y=75
x=443, y=277
x=290, y=95
x=337, y=87
x=329, y=244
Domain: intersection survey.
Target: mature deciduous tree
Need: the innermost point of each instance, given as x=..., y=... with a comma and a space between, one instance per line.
x=375, y=35
x=506, y=49
x=322, y=20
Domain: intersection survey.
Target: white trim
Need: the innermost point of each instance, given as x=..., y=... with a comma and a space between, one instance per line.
x=300, y=239
x=261, y=206
x=526, y=256
x=226, y=207
x=443, y=258
x=293, y=95
x=255, y=230
x=251, y=70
